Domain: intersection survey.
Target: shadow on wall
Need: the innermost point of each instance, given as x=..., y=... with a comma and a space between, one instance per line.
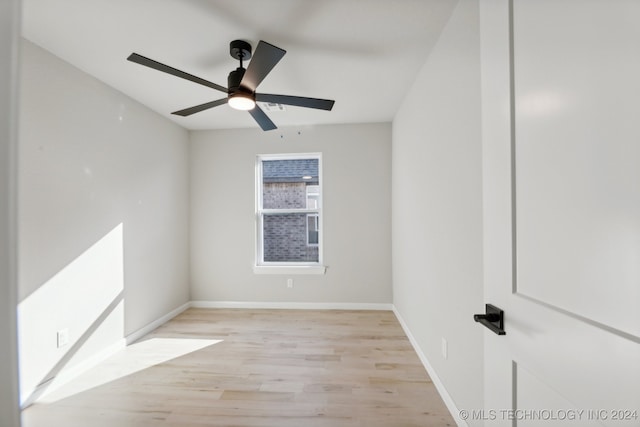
x=73, y=316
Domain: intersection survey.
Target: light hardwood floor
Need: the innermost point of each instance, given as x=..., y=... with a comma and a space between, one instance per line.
x=255, y=368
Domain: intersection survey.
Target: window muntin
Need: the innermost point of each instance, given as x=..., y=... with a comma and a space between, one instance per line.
x=288, y=210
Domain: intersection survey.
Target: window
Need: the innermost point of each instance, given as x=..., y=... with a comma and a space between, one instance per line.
x=289, y=210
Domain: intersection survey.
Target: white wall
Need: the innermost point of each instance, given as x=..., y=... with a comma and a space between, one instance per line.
x=437, y=208
x=9, y=24
x=356, y=165
x=103, y=229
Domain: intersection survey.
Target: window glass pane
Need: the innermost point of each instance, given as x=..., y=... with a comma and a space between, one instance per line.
x=313, y=194
x=312, y=229
x=285, y=182
x=285, y=239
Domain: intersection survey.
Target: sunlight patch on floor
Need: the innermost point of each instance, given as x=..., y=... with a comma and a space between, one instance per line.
x=134, y=358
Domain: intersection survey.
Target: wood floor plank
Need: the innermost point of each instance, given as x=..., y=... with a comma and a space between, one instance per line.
x=256, y=368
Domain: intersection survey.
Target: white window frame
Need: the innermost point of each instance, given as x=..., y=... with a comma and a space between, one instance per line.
x=267, y=267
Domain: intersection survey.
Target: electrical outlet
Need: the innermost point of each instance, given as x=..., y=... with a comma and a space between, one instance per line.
x=444, y=349
x=289, y=283
x=62, y=337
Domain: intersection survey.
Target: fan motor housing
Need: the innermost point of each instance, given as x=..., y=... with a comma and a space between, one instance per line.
x=234, y=79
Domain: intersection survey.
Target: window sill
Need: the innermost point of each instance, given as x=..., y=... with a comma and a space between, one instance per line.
x=289, y=269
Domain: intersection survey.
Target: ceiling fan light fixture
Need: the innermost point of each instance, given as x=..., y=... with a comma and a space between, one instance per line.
x=242, y=101
x=242, y=83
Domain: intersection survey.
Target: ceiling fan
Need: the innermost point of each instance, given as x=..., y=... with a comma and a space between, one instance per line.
x=241, y=93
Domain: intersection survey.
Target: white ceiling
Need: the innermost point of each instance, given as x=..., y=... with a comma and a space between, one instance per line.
x=364, y=54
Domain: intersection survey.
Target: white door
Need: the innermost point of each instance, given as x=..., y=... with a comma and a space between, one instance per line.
x=561, y=158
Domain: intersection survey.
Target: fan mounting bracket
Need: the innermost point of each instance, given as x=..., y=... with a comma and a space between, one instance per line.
x=240, y=50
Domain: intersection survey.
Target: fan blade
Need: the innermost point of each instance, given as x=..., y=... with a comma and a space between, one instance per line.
x=265, y=57
x=142, y=60
x=298, y=101
x=192, y=110
x=262, y=119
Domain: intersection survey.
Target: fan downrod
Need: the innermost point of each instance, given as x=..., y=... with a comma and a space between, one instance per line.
x=240, y=50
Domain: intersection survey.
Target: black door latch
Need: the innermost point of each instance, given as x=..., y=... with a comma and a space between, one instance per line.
x=492, y=319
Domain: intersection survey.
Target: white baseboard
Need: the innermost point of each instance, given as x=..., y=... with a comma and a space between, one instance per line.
x=135, y=336
x=293, y=305
x=446, y=397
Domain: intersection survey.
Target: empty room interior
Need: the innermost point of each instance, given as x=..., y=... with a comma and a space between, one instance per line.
x=320, y=213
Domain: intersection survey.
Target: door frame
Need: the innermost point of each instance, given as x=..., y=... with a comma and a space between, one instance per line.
x=9, y=46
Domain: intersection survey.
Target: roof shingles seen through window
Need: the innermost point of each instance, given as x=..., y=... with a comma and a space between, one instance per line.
x=293, y=170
